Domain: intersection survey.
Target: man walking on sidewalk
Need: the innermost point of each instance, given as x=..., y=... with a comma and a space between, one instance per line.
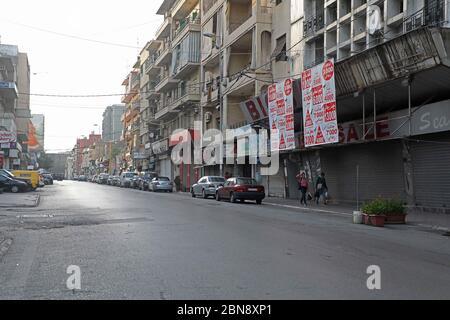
x=321, y=189
x=303, y=187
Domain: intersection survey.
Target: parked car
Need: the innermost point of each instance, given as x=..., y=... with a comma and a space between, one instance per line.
x=12, y=185
x=134, y=183
x=161, y=184
x=58, y=176
x=110, y=180
x=82, y=178
x=146, y=179
x=125, y=179
x=103, y=178
x=207, y=186
x=241, y=189
x=116, y=181
x=30, y=177
x=48, y=179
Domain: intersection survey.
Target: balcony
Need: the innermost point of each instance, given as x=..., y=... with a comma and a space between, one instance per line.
x=166, y=83
x=191, y=23
x=187, y=95
x=150, y=91
x=164, y=55
x=8, y=90
x=135, y=81
x=136, y=105
x=313, y=25
x=129, y=96
x=210, y=94
x=164, y=30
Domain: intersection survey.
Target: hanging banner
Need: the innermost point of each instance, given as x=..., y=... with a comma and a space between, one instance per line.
x=319, y=105
x=281, y=116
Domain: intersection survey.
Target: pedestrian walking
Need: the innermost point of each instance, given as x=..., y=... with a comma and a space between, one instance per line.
x=303, y=187
x=321, y=189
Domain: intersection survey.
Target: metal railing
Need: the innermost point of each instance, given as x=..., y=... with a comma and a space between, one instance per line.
x=313, y=24
x=432, y=15
x=194, y=18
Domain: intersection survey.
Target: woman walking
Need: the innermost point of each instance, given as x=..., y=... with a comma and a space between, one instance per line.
x=303, y=187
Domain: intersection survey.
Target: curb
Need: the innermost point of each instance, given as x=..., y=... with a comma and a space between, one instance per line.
x=308, y=209
x=36, y=204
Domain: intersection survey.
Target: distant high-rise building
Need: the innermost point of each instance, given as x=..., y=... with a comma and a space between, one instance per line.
x=112, y=123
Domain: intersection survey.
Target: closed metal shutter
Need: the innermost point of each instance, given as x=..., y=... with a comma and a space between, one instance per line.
x=431, y=171
x=380, y=171
x=276, y=184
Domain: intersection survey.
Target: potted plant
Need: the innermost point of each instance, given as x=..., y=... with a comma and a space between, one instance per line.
x=375, y=213
x=395, y=212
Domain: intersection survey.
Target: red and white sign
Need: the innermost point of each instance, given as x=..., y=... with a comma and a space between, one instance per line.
x=319, y=105
x=7, y=137
x=281, y=116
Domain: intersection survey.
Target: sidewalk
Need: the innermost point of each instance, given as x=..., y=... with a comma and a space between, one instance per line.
x=438, y=221
x=19, y=200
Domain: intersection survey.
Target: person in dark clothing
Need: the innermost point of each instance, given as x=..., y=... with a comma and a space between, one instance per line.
x=303, y=187
x=321, y=189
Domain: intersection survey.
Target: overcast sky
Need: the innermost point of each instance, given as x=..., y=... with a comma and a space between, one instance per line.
x=67, y=66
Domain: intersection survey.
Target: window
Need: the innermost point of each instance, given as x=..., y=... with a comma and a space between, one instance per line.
x=277, y=2
x=246, y=181
x=203, y=180
x=280, y=50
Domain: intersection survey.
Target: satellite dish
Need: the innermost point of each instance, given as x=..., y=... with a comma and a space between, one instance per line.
x=374, y=19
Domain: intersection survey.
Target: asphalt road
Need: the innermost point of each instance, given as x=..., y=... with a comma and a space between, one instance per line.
x=139, y=245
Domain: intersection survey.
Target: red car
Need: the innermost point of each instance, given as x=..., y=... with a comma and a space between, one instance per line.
x=241, y=189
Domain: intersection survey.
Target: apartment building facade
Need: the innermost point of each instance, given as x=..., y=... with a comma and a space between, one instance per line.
x=112, y=126
x=175, y=83
x=391, y=68
x=14, y=107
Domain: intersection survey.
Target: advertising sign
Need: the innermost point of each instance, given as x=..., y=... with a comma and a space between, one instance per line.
x=255, y=108
x=319, y=105
x=7, y=137
x=281, y=116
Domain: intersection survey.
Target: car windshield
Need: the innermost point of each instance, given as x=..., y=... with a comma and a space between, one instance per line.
x=246, y=181
x=163, y=179
x=130, y=175
x=6, y=173
x=216, y=179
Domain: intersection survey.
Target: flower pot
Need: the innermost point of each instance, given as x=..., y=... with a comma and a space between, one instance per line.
x=396, y=219
x=377, y=220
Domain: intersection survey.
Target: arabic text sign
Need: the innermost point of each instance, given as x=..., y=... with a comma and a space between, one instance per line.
x=319, y=105
x=281, y=116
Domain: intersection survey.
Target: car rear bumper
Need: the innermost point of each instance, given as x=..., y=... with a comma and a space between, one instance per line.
x=163, y=188
x=250, y=195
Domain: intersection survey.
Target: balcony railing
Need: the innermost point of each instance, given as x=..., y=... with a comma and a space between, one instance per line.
x=313, y=24
x=432, y=15
x=194, y=18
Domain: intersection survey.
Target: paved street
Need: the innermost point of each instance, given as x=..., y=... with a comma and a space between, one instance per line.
x=133, y=244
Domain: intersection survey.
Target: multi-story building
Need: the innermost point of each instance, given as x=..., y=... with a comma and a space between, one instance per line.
x=131, y=118
x=392, y=71
x=112, y=128
x=14, y=108
x=237, y=49
x=178, y=81
x=81, y=159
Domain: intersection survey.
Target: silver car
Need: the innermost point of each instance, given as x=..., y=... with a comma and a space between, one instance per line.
x=161, y=184
x=207, y=186
x=125, y=179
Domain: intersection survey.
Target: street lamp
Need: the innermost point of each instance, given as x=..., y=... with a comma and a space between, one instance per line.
x=219, y=93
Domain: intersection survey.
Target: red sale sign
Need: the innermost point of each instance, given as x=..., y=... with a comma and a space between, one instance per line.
x=319, y=105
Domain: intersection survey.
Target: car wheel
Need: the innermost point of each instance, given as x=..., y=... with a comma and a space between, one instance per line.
x=193, y=193
x=258, y=201
x=232, y=198
x=205, y=196
x=14, y=189
x=218, y=198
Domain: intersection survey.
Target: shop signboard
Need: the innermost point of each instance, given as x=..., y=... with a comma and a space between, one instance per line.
x=319, y=105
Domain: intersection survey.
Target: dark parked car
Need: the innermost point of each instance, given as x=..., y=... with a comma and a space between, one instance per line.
x=48, y=179
x=82, y=178
x=241, y=189
x=135, y=181
x=12, y=176
x=207, y=186
x=12, y=185
x=58, y=176
x=110, y=180
x=146, y=179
